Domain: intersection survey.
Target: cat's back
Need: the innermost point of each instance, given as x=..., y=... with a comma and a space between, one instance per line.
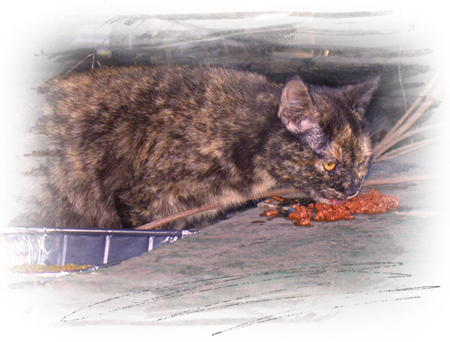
x=158, y=87
x=184, y=104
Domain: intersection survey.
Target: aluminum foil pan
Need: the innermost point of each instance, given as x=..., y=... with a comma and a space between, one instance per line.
x=52, y=246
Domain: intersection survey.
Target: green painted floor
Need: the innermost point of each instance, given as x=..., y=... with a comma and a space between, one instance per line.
x=375, y=276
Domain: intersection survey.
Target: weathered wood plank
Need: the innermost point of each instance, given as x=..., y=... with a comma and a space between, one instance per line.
x=418, y=67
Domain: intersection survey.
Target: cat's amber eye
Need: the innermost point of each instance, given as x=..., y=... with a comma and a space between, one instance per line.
x=329, y=166
x=362, y=160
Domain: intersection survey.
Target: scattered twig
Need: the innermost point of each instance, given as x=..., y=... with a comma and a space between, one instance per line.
x=22, y=257
x=92, y=66
x=397, y=133
x=406, y=149
x=171, y=218
x=414, y=132
x=420, y=130
x=416, y=103
x=207, y=207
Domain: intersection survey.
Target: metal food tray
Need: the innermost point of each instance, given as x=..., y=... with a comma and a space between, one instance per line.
x=96, y=247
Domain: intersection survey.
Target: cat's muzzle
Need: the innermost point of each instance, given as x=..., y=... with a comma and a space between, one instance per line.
x=352, y=191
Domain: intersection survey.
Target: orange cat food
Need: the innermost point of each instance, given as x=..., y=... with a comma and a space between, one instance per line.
x=375, y=202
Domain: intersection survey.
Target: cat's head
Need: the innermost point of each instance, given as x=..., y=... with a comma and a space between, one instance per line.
x=329, y=123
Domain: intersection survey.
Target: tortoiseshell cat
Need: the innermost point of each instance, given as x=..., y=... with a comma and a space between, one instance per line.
x=135, y=144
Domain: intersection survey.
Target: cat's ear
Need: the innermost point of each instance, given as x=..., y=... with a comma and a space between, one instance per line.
x=298, y=113
x=296, y=105
x=359, y=95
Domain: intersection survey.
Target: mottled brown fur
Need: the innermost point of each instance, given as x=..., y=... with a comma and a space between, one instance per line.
x=136, y=144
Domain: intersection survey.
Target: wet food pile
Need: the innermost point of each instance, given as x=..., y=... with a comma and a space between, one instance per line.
x=375, y=202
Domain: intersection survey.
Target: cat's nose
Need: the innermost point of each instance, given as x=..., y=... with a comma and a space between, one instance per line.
x=352, y=190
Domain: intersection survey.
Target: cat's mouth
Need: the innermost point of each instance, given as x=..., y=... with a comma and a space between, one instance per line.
x=332, y=201
x=335, y=201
